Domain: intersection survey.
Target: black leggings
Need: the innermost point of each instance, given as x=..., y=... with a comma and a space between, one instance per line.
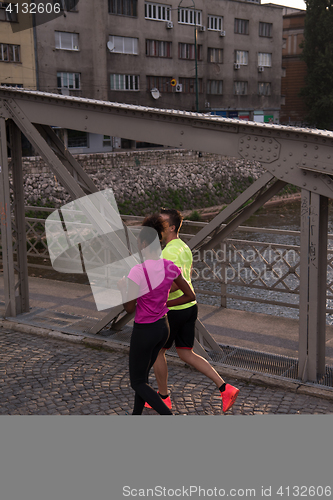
x=146, y=342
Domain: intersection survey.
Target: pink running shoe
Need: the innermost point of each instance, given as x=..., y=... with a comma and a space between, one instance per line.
x=229, y=396
x=166, y=401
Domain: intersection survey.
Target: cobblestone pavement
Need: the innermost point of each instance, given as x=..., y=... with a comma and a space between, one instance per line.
x=45, y=376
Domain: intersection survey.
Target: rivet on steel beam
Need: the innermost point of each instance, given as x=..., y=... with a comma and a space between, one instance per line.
x=182, y=132
x=305, y=145
x=248, y=138
x=263, y=139
x=256, y=138
x=180, y=144
x=315, y=188
x=240, y=149
x=270, y=141
x=304, y=184
x=316, y=147
x=276, y=146
x=241, y=141
x=268, y=158
x=328, y=157
x=290, y=154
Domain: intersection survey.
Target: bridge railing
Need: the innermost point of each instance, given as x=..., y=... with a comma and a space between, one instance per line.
x=257, y=265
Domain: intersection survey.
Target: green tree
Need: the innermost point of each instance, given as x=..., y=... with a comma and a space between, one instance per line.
x=318, y=56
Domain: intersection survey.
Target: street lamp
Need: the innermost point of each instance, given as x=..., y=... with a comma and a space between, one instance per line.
x=195, y=53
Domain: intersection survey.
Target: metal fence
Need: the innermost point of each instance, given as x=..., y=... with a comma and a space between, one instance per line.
x=258, y=265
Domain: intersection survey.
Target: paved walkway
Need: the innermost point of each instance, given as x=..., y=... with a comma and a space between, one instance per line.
x=46, y=371
x=45, y=375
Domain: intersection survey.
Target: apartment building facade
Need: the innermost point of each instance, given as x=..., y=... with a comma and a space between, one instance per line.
x=221, y=57
x=17, y=52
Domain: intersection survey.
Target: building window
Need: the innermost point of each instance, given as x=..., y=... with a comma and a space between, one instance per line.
x=190, y=16
x=68, y=80
x=264, y=59
x=264, y=88
x=162, y=83
x=215, y=23
x=215, y=55
x=187, y=51
x=242, y=26
x=123, y=7
x=9, y=53
x=214, y=87
x=240, y=88
x=68, y=5
x=8, y=12
x=124, y=44
x=77, y=139
x=157, y=11
x=265, y=29
x=124, y=82
x=242, y=57
x=107, y=141
x=66, y=41
x=157, y=48
x=189, y=85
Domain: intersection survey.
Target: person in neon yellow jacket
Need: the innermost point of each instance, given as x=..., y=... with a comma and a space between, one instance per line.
x=182, y=318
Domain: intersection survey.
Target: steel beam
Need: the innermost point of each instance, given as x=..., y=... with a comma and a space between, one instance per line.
x=71, y=164
x=22, y=286
x=312, y=325
x=245, y=213
x=6, y=226
x=229, y=211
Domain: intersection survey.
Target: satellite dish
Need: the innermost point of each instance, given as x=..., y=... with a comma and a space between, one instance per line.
x=155, y=93
x=110, y=46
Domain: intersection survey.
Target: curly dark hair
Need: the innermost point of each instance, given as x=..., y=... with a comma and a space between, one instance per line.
x=175, y=217
x=156, y=222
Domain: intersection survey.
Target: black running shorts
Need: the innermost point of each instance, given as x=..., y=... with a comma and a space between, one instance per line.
x=182, y=327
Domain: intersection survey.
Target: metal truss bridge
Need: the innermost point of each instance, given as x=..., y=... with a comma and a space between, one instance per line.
x=302, y=157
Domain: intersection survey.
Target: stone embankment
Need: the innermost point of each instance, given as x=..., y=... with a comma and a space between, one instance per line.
x=144, y=180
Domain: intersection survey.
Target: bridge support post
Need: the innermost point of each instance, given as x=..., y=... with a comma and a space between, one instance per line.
x=313, y=270
x=6, y=226
x=22, y=287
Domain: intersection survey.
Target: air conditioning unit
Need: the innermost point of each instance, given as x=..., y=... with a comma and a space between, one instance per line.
x=237, y=66
x=169, y=25
x=222, y=33
x=260, y=69
x=202, y=28
x=179, y=87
